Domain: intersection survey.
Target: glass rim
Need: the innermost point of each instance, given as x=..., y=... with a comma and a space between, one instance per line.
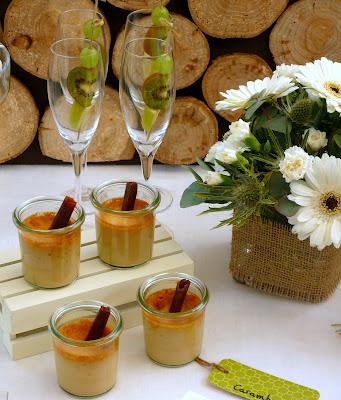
x=99, y=206
x=80, y=10
x=147, y=56
x=90, y=305
x=76, y=57
x=166, y=275
x=6, y=65
x=141, y=11
x=19, y=223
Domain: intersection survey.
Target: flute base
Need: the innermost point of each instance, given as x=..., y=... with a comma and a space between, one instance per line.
x=85, y=199
x=166, y=199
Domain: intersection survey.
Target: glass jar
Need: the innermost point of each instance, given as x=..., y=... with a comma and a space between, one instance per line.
x=125, y=238
x=50, y=258
x=85, y=368
x=173, y=339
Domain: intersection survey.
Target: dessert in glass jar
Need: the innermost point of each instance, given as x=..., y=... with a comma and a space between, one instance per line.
x=50, y=257
x=125, y=238
x=86, y=342
x=173, y=327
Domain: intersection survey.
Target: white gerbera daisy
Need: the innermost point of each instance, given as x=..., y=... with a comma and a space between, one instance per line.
x=322, y=78
x=268, y=88
x=319, y=196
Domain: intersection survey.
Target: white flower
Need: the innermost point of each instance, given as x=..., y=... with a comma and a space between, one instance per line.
x=242, y=98
x=227, y=156
x=295, y=164
x=222, y=151
x=322, y=78
x=213, y=178
x=319, y=196
x=287, y=70
x=214, y=150
x=239, y=130
x=316, y=139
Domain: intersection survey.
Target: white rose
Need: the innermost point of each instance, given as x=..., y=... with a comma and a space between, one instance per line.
x=295, y=164
x=240, y=128
x=227, y=156
x=216, y=148
x=222, y=151
x=213, y=178
x=316, y=139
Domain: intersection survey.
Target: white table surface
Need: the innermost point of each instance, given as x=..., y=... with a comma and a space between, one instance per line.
x=292, y=340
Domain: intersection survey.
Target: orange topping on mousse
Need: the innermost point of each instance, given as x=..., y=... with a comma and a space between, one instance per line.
x=41, y=220
x=162, y=300
x=116, y=204
x=79, y=329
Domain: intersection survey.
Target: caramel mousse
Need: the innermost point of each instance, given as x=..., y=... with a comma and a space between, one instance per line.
x=90, y=368
x=124, y=239
x=172, y=339
x=49, y=260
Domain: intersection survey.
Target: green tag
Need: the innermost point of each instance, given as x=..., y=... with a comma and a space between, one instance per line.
x=252, y=384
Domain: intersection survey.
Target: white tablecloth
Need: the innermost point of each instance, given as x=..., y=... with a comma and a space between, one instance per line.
x=292, y=340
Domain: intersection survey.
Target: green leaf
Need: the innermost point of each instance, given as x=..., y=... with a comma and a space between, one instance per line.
x=276, y=143
x=189, y=199
x=287, y=207
x=277, y=186
x=252, y=142
x=241, y=159
x=204, y=165
x=337, y=140
x=251, y=110
x=267, y=147
x=197, y=177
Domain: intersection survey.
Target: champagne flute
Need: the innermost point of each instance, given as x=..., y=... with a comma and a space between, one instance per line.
x=90, y=24
x=5, y=72
x=147, y=94
x=75, y=90
x=87, y=23
x=139, y=24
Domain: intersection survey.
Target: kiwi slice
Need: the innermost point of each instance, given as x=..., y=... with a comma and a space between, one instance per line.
x=155, y=91
x=152, y=47
x=80, y=83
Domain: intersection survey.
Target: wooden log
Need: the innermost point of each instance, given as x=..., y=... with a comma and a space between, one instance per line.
x=235, y=19
x=1, y=34
x=192, y=131
x=308, y=30
x=136, y=4
x=228, y=72
x=30, y=29
x=110, y=143
x=191, y=52
x=19, y=121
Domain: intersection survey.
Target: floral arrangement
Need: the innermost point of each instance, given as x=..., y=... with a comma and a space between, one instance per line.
x=282, y=160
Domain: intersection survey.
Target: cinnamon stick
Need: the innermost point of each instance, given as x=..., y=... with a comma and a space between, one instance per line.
x=64, y=213
x=99, y=324
x=129, y=196
x=179, y=295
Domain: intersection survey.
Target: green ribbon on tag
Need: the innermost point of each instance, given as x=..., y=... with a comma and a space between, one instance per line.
x=251, y=384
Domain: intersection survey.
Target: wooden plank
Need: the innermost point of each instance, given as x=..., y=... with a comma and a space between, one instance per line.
x=31, y=310
x=39, y=342
x=87, y=268
x=88, y=251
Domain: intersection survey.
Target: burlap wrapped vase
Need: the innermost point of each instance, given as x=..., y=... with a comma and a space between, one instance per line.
x=267, y=256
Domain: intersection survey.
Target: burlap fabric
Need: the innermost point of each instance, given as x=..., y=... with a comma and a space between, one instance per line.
x=267, y=256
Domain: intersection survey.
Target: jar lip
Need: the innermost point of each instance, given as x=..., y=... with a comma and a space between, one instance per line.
x=176, y=275
x=99, y=206
x=19, y=223
x=90, y=305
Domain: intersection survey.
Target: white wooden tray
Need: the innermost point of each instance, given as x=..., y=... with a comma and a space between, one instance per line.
x=25, y=310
